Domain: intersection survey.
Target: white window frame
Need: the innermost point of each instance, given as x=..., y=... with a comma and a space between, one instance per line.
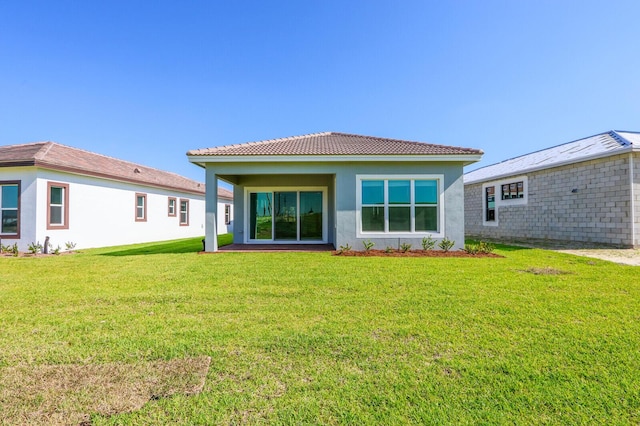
x=499, y=202
x=392, y=234
x=185, y=212
x=63, y=206
x=325, y=215
x=142, y=218
x=227, y=214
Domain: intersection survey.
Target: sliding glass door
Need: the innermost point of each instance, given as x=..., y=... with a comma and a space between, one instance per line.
x=286, y=216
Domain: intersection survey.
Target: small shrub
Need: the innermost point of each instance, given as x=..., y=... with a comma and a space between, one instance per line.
x=446, y=244
x=481, y=247
x=405, y=247
x=368, y=245
x=14, y=250
x=485, y=247
x=35, y=248
x=69, y=245
x=472, y=248
x=344, y=249
x=428, y=243
x=389, y=249
x=55, y=250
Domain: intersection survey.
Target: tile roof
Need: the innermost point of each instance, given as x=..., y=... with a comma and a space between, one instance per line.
x=225, y=193
x=333, y=144
x=600, y=145
x=51, y=155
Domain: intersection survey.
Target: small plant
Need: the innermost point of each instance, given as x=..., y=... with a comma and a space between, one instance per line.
x=55, y=250
x=446, y=244
x=35, y=248
x=485, y=247
x=481, y=247
x=69, y=245
x=368, y=245
x=4, y=248
x=344, y=249
x=405, y=247
x=428, y=243
x=472, y=248
x=14, y=250
x=389, y=249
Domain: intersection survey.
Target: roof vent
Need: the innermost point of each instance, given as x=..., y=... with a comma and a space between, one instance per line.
x=136, y=170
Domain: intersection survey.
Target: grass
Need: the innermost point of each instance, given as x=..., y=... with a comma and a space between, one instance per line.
x=320, y=339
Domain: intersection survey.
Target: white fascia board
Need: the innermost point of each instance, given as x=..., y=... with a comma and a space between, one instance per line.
x=551, y=166
x=201, y=160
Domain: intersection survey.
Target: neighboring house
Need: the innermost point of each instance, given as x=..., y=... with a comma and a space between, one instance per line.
x=71, y=195
x=340, y=189
x=583, y=191
x=225, y=207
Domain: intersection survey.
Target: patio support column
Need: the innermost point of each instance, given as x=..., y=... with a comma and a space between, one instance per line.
x=211, y=212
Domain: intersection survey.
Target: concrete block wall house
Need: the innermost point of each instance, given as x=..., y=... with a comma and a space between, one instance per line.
x=72, y=195
x=339, y=189
x=585, y=191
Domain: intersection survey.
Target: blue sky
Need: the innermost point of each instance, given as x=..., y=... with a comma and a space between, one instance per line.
x=147, y=81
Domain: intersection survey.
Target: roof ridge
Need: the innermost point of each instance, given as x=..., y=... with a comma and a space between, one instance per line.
x=270, y=141
x=620, y=139
x=42, y=152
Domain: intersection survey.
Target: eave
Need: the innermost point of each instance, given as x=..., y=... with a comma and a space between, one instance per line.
x=202, y=160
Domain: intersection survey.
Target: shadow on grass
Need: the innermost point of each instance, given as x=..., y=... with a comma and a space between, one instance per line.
x=192, y=245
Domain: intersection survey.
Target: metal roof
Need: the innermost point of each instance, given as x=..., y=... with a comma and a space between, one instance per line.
x=600, y=145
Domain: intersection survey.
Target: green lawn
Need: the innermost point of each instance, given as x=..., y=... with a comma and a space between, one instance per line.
x=313, y=338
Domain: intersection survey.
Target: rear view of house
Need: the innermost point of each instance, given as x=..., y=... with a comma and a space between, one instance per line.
x=584, y=191
x=339, y=189
x=72, y=195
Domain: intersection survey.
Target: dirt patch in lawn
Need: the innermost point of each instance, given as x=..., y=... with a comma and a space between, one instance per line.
x=412, y=253
x=545, y=271
x=69, y=394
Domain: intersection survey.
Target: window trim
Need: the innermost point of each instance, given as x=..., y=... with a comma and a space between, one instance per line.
x=15, y=236
x=186, y=201
x=227, y=214
x=175, y=202
x=440, y=233
x=499, y=202
x=65, y=205
x=297, y=189
x=144, y=207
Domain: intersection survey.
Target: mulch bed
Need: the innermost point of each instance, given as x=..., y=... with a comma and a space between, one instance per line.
x=412, y=253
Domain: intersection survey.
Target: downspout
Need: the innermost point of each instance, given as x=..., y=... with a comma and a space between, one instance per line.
x=633, y=201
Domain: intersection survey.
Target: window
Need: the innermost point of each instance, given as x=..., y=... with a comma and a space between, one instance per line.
x=10, y=209
x=184, y=212
x=490, y=204
x=400, y=205
x=141, y=207
x=172, y=207
x=513, y=190
x=227, y=214
x=57, y=205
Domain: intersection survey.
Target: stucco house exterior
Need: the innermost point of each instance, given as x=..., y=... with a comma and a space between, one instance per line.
x=339, y=189
x=585, y=191
x=72, y=195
